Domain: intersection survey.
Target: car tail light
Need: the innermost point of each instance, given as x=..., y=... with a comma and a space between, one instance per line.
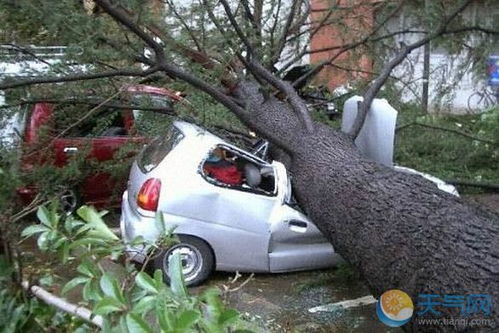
x=148, y=196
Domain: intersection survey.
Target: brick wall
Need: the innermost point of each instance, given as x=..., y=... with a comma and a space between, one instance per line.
x=350, y=20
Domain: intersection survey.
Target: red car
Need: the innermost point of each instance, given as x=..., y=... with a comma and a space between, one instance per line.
x=94, y=135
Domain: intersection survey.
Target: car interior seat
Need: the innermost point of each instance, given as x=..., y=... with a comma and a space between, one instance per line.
x=252, y=175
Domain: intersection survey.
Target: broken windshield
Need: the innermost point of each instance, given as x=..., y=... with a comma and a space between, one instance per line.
x=157, y=150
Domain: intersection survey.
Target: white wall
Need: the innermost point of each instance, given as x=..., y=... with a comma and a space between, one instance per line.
x=452, y=85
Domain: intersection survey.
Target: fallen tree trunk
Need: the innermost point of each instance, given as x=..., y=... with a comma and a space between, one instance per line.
x=399, y=230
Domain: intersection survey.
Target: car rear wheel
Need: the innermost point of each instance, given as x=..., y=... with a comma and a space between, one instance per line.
x=196, y=257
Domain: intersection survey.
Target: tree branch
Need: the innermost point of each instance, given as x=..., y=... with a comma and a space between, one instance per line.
x=284, y=36
x=237, y=28
x=96, y=102
x=473, y=28
x=488, y=186
x=295, y=101
x=314, y=71
x=78, y=77
x=374, y=88
x=184, y=24
x=122, y=17
x=445, y=129
x=274, y=25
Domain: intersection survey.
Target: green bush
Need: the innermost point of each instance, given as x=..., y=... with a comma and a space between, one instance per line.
x=462, y=147
x=138, y=302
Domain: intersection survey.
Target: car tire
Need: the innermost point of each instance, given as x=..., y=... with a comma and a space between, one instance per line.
x=197, y=260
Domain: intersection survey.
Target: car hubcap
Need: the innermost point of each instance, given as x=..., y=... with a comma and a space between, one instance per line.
x=190, y=258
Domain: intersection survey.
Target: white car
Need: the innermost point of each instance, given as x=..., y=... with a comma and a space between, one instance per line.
x=245, y=222
x=251, y=226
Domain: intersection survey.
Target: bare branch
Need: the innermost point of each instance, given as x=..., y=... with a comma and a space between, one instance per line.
x=237, y=28
x=274, y=25
x=284, y=36
x=374, y=88
x=27, y=51
x=93, y=102
x=259, y=71
x=450, y=130
x=255, y=17
x=314, y=71
x=184, y=24
x=473, y=28
x=78, y=77
x=488, y=186
x=122, y=17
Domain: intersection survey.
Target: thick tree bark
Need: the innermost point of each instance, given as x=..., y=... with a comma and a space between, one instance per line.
x=398, y=230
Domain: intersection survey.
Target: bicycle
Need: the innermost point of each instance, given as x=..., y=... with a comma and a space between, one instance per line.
x=484, y=99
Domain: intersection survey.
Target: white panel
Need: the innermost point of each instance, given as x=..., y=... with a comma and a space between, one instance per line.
x=376, y=138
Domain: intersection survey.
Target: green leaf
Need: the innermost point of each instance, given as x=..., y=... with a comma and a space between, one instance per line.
x=64, y=253
x=110, y=287
x=43, y=240
x=94, y=220
x=106, y=284
x=70, y=223
x=136, y=324
x=73, y=283
x=54, y=217
x=145, y=282
x=33, y=229
x=107, y=305
x=87, y=241
x=187, y=319
x=177, y=284
x=228, y=317
x=61, y=239
x=159, y=223
x=213, y=302
x=158, y=277
x=103, y=213
x=123, y=326
x=85, y=269
x=164, y=316
x=43, y=215
x=145, y=305
x=91, y=291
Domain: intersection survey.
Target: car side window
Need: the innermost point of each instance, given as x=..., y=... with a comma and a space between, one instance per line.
x=229, y=168
x=105, y=121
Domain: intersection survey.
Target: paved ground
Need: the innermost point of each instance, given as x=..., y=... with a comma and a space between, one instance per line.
x=281, y=302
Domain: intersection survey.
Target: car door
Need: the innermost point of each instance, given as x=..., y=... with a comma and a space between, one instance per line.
x=233, y=220
x=94, y=144
x=295, y=242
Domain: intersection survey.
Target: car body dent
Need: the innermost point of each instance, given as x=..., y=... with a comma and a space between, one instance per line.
x=247, y=231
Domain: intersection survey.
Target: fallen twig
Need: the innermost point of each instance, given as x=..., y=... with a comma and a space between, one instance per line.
x=445, y=129
x=63, y=305
x=494, y=187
